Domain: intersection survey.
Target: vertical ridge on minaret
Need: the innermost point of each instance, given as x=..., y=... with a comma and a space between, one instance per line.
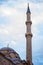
x=28, y=37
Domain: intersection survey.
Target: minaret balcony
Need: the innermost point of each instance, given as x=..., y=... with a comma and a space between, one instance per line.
x=28, y=22
x=28, y=34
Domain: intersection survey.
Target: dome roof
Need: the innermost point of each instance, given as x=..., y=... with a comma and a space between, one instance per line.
x=11, y=51
x=7, y=48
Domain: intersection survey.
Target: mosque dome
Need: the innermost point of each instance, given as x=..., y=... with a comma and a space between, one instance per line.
x=7, y=48
x=9, y=52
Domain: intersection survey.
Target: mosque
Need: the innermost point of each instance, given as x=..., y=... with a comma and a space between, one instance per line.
x=8, y=56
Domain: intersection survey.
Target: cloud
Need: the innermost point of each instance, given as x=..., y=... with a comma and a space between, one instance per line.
x=6, y=11
x=22, y=5
x=35, y=1
x=36, y=9
x=11, y=43
x=16, y=19
x=36, y=17
x=37, y=26
x=15, y=25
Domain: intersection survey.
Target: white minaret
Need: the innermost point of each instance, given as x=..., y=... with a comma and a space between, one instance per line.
x=28, y=37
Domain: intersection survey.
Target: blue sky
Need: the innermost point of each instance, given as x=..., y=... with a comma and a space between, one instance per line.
x=13, y=28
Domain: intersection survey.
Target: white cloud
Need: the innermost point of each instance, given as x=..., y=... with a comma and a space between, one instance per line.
x=3, y=30
x=22, y=5
x=6, y=11
x=36, y=17
x=8, y=43
x=15, y=17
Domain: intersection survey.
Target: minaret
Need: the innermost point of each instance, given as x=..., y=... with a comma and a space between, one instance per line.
x=28, y=37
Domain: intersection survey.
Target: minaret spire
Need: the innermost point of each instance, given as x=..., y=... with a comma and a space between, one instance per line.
x=28, y=10
x=28, y=37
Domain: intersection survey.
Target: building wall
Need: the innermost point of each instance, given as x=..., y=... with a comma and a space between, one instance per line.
x=4, y=61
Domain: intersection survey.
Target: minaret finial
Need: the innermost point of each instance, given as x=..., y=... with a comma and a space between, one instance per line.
x=28, y=10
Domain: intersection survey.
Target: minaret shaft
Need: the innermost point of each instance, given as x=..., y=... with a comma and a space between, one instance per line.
x=28, y=38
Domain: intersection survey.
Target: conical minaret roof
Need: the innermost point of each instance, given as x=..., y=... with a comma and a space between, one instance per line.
x=28, y=10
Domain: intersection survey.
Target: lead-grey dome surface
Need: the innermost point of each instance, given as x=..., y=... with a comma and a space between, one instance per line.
x=7, y=48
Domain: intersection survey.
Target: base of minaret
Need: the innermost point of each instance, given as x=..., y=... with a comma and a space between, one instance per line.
x=28, y=48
